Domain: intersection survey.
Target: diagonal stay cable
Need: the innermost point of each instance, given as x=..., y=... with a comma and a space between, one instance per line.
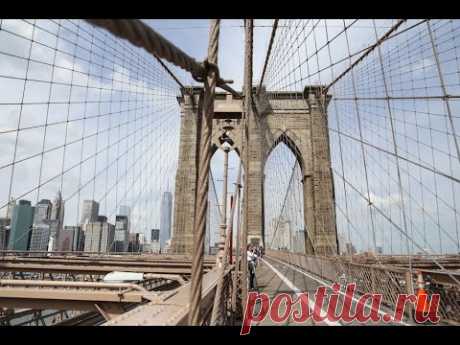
x=366, y=53
x=211, y=177
x=396, y=226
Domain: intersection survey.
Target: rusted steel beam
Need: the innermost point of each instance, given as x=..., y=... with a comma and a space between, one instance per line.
x=109, y=310
x=173, y=277
x=93, y=269
x=67, y=284
x=83, y=261
x=40, y=295
x=99, y=262
x=49, y=304
x=100, y=256
x=95, y=266
x=172, y=309
x=68, y=294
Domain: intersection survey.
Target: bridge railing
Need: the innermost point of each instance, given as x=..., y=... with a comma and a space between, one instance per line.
x=387, y=280
x=44, y=253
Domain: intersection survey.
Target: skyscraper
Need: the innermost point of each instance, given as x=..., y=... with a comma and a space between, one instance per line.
x=99, y=237
x=125, y=211
x=92, y=237
x=107, y=237
x=134, y=242
x=155, y=240
x=5, y=223
x=41, y=229
x=21, y=225
x=131, y=242
x=42, y=211
x=4, y=232
x=155, y=235
x=66, y=239
x=101, y=219
x=90, y=211
x=121, y=234
x=40, y=237
x=76, y=239
x=57, y=220
x=8, y=211
x=165, y=218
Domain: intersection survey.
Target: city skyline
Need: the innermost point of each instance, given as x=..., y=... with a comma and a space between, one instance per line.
x=40, y=228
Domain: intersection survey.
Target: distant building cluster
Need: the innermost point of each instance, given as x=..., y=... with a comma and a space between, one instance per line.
x=24, y=227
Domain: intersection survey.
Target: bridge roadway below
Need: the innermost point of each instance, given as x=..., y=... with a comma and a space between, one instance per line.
x=274, y=277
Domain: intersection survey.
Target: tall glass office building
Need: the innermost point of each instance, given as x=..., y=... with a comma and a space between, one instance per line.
x=165, y=218
x=21, y=226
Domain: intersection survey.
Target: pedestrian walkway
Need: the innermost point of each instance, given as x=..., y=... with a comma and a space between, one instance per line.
x=274, y=277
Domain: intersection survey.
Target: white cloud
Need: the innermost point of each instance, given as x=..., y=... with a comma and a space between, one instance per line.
x=385, y=201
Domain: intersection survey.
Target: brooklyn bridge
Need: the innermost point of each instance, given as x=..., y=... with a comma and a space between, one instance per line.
x=135, y=173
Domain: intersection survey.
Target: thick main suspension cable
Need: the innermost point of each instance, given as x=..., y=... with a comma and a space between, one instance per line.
x=141, y=35
x=267, y=58
x=203, y=178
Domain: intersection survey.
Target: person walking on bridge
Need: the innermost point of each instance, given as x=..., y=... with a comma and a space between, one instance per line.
x=251, y=267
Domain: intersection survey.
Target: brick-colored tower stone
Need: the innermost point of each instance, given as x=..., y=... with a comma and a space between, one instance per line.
x=296, y=118
x=187, y=173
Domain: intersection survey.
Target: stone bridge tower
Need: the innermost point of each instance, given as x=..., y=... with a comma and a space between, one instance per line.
x=295, y=118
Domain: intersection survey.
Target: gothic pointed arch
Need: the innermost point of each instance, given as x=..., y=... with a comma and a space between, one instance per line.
x=287, y=139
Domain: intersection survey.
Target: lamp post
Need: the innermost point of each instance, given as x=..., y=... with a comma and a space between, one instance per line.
x=223, y=225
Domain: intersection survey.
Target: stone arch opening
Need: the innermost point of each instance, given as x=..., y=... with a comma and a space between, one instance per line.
x=286, y=139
